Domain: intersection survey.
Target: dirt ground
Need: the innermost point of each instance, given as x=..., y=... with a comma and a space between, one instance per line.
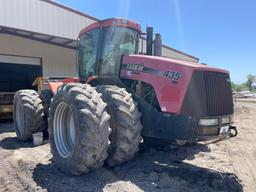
x=228, y=165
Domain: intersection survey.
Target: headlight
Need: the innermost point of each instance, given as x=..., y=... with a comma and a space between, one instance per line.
x=208, y=122
x=225, y=120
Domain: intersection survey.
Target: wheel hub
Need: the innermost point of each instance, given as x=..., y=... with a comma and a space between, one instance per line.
x=64, y=130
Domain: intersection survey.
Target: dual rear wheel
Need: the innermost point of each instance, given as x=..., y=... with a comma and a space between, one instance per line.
x=88, y=126
x=125, y=123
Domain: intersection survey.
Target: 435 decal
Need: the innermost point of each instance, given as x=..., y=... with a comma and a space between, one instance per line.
x=172, y=75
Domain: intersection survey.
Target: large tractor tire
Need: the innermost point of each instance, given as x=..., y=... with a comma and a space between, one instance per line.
x=28, y=114
x=125, y=123
x=46, y=97
x=78, y=129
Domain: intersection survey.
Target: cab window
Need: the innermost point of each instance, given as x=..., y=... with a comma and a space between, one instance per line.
x=87, y=56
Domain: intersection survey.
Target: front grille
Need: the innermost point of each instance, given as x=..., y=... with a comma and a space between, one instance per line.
x=209, y=94
x=218, y=93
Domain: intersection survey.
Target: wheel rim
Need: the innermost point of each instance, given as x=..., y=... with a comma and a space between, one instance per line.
x=64, y=130
x=20, y=117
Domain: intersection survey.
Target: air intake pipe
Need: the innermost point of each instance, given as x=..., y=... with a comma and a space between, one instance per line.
x=158, y=45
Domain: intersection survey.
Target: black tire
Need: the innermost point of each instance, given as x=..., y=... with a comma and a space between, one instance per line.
x=91, y=129
x=125, y=123
x=46, y=96
x=28, y=114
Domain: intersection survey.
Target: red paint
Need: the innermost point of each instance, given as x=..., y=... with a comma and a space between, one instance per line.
x=109, y=22
x=169, y=95
x=71, y=80
x=54, y=86
x=166, y=93
x=91, y=78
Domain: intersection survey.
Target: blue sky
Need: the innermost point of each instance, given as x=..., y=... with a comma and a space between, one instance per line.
x=222, y=33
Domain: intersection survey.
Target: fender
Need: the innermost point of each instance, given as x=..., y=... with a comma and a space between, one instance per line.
x=54, y=85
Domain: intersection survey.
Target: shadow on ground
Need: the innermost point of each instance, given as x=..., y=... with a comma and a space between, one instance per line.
x=6, y=126
x=12, y=143
x=150, y=170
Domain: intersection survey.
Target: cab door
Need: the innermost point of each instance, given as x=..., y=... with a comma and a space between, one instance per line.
x=88, y=53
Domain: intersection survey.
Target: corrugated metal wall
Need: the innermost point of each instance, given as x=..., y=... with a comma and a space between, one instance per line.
x=56, y=61
x=42, y=17
x=19, y=60
x=167, y=52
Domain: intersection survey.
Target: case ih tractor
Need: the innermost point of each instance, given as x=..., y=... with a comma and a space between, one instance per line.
x=121, y=97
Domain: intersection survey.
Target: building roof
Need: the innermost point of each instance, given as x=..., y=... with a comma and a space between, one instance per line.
x=96, y=19
x=42, y=20
x=46, y=21
x=71, y=9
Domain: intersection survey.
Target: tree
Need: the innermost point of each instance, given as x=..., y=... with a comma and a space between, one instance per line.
x=239, y=87
x=234, y=86
x=251, y=79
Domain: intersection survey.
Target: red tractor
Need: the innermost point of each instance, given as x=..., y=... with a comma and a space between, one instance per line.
x=122, y=97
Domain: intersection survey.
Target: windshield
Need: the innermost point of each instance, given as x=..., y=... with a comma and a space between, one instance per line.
x=118, y=41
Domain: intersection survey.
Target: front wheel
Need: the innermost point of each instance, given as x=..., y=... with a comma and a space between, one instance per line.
x=78, y=129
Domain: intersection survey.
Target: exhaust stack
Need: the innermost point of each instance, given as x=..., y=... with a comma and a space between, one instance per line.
x=149, y=40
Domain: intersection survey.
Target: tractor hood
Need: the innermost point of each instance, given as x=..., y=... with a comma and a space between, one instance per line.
x=164, y=62
x=170, y=78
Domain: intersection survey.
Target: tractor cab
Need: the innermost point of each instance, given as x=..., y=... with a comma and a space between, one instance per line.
x=103, y=44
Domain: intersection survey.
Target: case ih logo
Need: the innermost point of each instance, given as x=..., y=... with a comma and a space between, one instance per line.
x=135, y=67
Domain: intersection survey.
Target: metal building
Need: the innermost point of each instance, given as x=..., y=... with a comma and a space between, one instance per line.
x=38, y=38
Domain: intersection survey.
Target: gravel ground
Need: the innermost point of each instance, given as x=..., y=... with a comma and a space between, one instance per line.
x=228, y=165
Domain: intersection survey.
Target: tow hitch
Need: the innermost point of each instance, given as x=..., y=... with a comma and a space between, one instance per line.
x=233, y=131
